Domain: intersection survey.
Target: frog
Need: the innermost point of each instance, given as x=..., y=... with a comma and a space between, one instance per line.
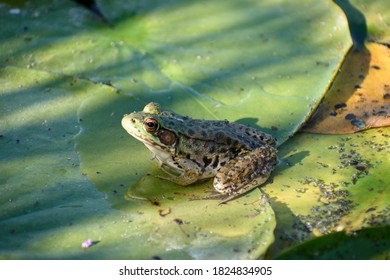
x=188, y=150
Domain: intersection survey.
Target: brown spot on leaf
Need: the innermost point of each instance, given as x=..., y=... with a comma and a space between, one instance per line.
x=340, y=105
x=163, y=213
x=350, y=117
x=178, y=221
x=361, y=167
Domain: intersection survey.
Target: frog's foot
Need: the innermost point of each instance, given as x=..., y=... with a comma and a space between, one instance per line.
x=180, y=180
x=245, y=172
x=223, y=198
x=213, y=196
x=186, y=177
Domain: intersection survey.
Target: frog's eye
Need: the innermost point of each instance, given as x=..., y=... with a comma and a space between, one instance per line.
x=151, y=125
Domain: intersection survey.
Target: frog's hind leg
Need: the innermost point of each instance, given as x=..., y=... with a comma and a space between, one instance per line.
x=245, y=172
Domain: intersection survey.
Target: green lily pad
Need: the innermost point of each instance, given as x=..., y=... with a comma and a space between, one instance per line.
x=243, y=58
x=165, y=211
x=330, y=183
x=377, y=16
x=47, y=207
x=369, y=243
x=66, y=73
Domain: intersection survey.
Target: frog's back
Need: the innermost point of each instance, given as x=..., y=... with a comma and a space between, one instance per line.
x=219, y=131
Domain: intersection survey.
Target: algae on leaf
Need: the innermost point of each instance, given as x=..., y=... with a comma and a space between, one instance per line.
x=330, y=183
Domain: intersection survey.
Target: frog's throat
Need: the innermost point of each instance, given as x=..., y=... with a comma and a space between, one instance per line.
x=162, y=153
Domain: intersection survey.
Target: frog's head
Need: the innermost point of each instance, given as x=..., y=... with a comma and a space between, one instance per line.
x=148, y=127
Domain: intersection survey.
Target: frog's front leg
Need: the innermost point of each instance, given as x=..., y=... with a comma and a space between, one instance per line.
x=183, y=173
x=245, y=172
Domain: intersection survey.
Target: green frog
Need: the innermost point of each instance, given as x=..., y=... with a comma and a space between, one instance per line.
x=239, y=157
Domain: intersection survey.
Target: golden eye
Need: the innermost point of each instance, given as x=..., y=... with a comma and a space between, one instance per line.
x=151, y=125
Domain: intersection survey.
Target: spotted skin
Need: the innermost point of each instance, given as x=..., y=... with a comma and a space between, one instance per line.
x=239, y=157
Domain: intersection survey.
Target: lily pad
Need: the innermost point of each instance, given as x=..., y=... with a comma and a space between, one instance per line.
x=66, y=73
x=359, y=98
x=377, y=16
x=330, y=183
x=47, y=207
x=244, y=58
x=165, y=211
x=370, y=243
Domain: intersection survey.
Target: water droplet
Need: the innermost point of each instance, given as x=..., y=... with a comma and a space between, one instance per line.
x=15, y=11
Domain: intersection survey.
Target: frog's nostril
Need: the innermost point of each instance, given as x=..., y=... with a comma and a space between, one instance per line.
x=132, y=120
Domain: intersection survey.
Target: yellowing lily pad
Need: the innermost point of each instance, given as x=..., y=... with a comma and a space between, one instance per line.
x=359, y=98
